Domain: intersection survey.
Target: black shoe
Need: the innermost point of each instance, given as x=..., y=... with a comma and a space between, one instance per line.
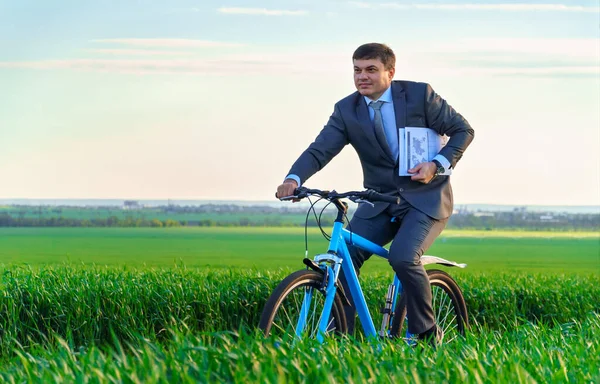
x=433, y=336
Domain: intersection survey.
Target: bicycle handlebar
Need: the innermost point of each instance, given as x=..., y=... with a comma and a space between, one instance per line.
x=368, y=195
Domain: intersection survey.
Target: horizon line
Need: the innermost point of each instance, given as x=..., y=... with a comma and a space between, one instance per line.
x=270, y=201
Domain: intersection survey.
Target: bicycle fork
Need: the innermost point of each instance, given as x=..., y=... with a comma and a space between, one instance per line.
x=329, y=277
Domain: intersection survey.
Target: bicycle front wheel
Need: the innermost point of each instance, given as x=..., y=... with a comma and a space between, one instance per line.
x=449, y=308
x=283, y=315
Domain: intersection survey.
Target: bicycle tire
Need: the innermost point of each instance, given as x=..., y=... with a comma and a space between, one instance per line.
x=445, y=292
x=277, y=320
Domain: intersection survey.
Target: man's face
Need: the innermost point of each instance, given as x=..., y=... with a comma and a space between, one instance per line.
x=371, y=78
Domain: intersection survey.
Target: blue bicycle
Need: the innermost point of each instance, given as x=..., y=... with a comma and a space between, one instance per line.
x=310, y=302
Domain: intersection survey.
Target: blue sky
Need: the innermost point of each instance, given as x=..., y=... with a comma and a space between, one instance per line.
x=216, y=99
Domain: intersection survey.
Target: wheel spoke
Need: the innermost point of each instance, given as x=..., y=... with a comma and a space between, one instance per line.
x=450, y=326
x=445, y=301
x=287, y=315
x=276, y=325
x=439, y=291
x=449, y=310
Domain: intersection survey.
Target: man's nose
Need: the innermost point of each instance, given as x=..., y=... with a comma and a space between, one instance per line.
x=362, y=75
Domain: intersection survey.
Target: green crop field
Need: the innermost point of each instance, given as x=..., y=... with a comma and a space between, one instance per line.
x=145, y=305
x=274, y=248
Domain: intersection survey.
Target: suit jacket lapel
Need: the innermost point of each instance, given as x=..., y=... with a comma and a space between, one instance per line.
x=362, y=112
x=399, y=98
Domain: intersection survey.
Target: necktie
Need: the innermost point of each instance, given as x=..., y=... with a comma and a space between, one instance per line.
x=379, y=130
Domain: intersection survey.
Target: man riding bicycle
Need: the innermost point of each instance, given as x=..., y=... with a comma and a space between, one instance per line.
x=369, y=120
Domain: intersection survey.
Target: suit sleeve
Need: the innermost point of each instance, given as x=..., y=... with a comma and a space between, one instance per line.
x=330, y=141
x=446, y=121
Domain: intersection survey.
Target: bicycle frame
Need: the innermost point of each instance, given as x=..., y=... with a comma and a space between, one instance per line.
x=339, y=256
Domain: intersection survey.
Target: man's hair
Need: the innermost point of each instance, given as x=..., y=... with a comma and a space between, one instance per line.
x=376, y=51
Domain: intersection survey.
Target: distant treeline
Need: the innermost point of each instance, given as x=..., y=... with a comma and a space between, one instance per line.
x=526, y=220
x=227, y=216
x=114, y=221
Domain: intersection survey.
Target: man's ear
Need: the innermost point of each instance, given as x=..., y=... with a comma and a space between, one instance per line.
x=392, y=72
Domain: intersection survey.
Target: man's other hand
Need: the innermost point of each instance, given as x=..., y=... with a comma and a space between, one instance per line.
x=287, y=189
x=423, y=172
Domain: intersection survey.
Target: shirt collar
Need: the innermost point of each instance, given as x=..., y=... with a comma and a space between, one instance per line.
x=386, y=97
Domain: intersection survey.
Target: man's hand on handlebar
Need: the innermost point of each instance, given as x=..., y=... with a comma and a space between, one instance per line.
x=286, y=190
x=289, y=190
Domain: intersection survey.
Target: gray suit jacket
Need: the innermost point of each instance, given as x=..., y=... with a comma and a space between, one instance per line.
x=415, y=105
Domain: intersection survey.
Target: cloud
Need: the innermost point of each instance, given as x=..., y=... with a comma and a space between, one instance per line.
x=466, y=57
x=553, y=71
x=565, y=48
x=261, y=11
x=137, y=52
x=247, y=67
x=478, y=7
x=156, y=66
x=171, y=43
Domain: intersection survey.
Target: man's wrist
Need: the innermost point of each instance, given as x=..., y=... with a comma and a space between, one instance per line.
x=442, y=159
x=439, y=168
x=291, y=181
x=292, y=177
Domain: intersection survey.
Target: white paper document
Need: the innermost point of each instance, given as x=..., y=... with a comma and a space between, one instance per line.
x=418, y=145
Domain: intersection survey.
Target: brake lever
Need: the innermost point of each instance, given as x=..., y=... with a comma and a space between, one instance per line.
x=288, y=198
x=298, y=197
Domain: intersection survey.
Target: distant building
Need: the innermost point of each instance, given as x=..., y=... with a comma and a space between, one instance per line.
x=131, y=204
x=549, y=219
x=484, y=214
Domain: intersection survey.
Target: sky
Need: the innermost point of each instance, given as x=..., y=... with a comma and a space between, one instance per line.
x=155, y=99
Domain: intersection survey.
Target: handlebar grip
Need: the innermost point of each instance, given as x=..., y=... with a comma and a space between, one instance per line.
x=297, y=194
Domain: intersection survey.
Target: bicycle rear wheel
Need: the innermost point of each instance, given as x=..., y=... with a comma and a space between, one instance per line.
x=449, y=308
x=281, y=314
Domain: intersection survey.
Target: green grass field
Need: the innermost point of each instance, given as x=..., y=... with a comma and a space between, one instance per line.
x=531, y=354
x=275, y=248
x=143, y=305
x=114, y=324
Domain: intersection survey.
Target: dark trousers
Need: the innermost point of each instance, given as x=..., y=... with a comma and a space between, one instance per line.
x=412, y=233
